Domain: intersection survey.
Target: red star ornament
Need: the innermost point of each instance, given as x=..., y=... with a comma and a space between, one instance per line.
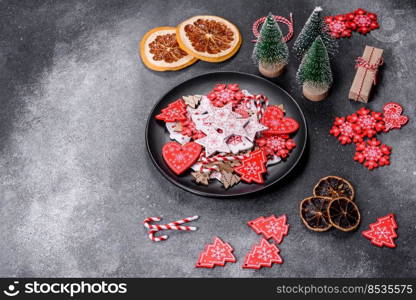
x=271, y=227
x=393, y=117
x=216, y=254
x=175, y=111
x=383, y=232
x=261, y=255
x=252, y=167
x=213, y=142
x=179, y=157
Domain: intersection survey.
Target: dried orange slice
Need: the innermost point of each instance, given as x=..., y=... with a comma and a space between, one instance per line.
x=314, y=213
x=343, y=214
x=334, y=187
x=160, y=50
x=209, y=38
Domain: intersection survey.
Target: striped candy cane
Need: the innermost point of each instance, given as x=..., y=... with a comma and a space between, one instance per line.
x=176, y=225
x=219, y=158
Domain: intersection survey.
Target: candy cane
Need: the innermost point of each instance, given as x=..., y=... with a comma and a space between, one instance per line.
x=205, y=169
x=170, y=226
x=289, y=23
x=220, y=158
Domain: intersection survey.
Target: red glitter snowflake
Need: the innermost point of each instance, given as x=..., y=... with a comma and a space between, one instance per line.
x=347, y=130
x=276, y=145
x=371, y=122
x=372, y=154
x=223, y=94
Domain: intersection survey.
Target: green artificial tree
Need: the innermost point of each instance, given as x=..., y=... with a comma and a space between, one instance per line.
x=314, y=72
x=313, y=27
x=271, y=52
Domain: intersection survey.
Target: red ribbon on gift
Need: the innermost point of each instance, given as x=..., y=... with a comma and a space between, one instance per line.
x=373, y=68
x=361, y=62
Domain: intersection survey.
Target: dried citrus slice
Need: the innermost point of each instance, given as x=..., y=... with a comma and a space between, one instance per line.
x=314, y=213
x=333, y=187
x=160, y=50
x=343, y=214
x=209, y=38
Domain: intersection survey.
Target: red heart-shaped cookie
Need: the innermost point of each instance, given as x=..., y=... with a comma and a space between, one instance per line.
x=180, y=157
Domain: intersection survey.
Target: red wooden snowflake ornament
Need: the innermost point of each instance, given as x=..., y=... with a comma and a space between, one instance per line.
x=216, y=254
x=175, y=111
x=346, y=130
x=383, y=232
x=271, y=227
x=359, y=20
x=253, y=167
x=393, y=117
x=261, y=255
x=371, y=122
x=372, y=154
x=276, y=145
x=223, y=94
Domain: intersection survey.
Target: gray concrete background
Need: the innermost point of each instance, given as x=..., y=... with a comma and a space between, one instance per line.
x=76, y=181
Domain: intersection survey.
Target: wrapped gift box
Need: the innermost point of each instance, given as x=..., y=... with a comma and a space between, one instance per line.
x=365, y=78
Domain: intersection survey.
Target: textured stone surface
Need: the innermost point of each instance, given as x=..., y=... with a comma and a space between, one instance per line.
x=76, y=181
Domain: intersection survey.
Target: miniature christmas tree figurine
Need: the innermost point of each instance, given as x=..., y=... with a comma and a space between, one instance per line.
x=314, y=72
x=270, y=52
x=313, y=27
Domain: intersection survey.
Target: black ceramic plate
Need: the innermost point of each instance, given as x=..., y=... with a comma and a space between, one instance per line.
x=157, y=134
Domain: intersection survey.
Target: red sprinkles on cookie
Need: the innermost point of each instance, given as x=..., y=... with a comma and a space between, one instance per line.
x=372, y=154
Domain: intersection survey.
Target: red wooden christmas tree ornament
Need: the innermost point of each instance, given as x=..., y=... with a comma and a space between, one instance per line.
x=256, y=224
x=253, y=167
x=216, y=254
x=175, y=111
x=383, y=232
x=271, y=227
x=261, y=255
